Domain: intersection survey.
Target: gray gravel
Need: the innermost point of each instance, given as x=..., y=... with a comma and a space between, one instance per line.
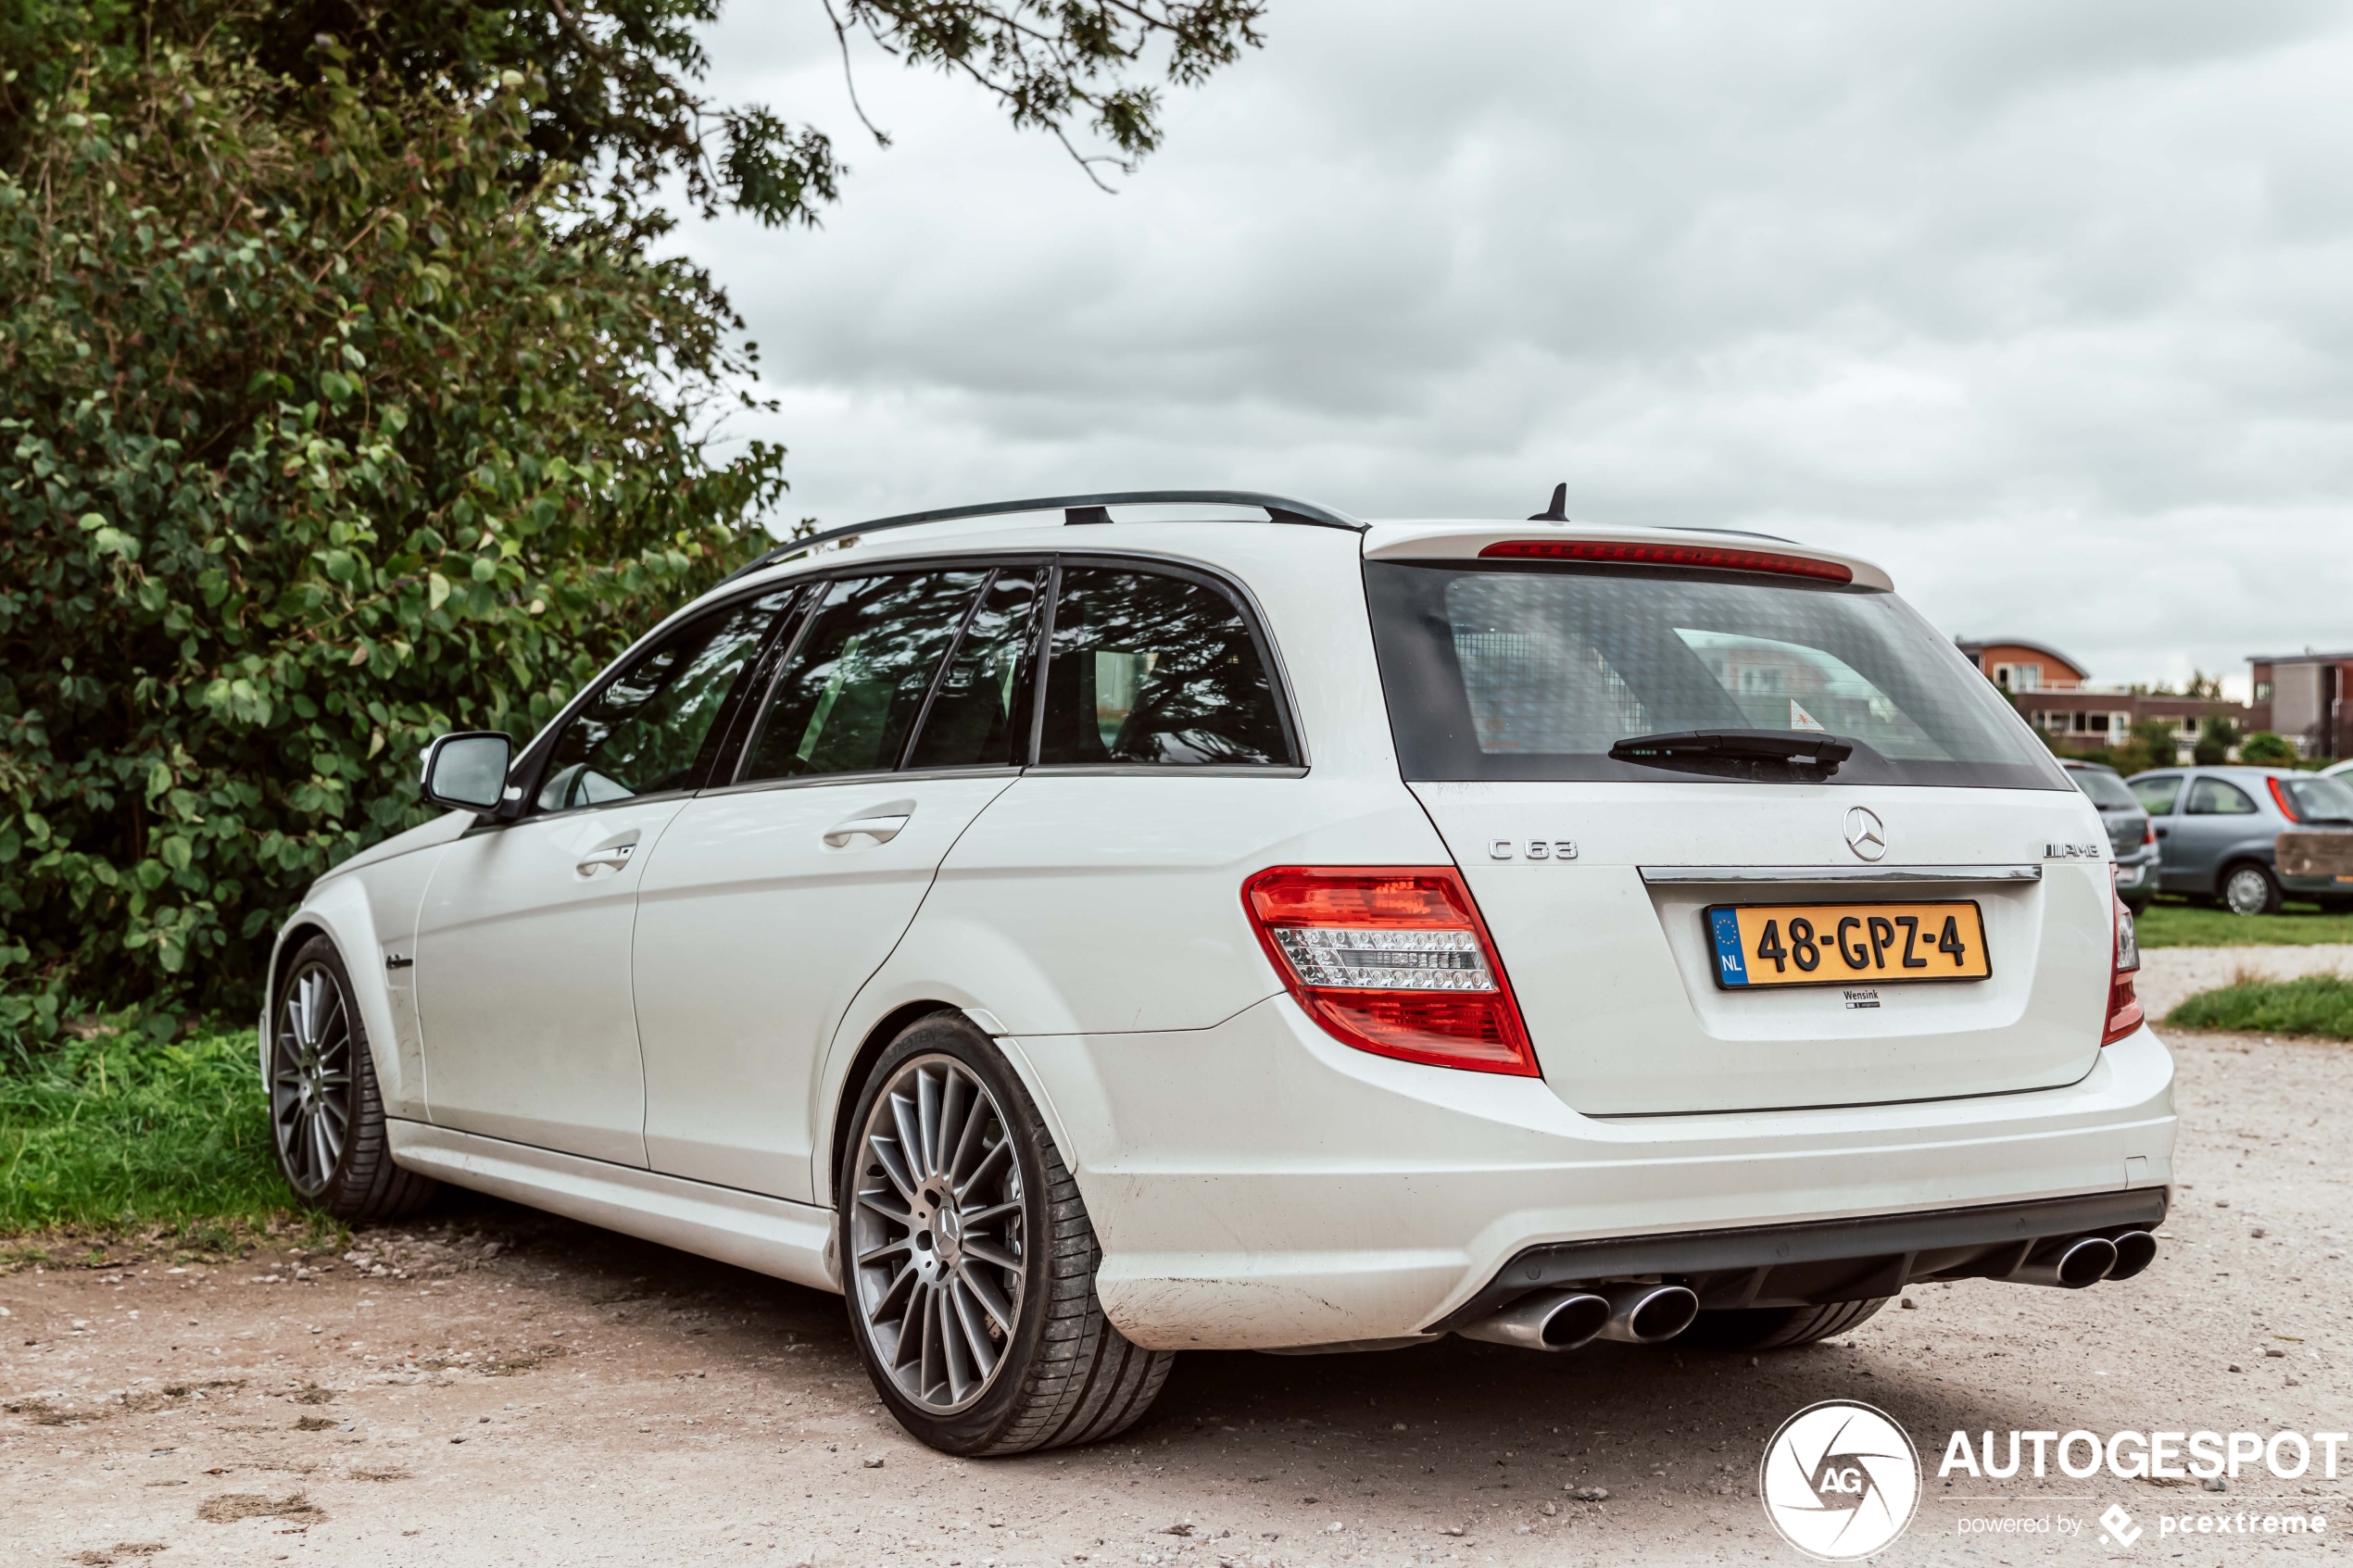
x=2170, y=976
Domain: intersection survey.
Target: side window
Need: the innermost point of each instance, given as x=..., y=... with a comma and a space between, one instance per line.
x=849, y=696
x=653, y=726
x=2156, y=794
x=980, y=717
x=1150, y=669
x=2213, y=797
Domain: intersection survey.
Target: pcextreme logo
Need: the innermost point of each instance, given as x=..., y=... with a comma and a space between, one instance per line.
x=1840, y=1480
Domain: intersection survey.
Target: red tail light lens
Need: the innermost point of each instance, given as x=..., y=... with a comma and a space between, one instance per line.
x=1622, y=553
x=1391, y=959
x=2286, y=803
x=2148, y=830
x=2124, y=1012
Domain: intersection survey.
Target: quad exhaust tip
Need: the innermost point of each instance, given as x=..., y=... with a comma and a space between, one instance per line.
x=1548, y=1320
x=1648, y=1314
x=2072, y=1265
x=2135, y=1250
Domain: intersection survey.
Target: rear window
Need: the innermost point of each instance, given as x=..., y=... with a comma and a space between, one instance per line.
x=1535, y=672
x=2108, y=791
x=2320, y=799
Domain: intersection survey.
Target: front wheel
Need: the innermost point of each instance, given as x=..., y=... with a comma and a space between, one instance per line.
x=326, y=1118
x=968, y=1261
x=2250, y=889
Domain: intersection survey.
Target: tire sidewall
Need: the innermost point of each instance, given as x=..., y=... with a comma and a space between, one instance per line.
x=947, y=1033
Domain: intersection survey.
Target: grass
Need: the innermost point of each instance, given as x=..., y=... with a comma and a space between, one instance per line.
x=2170, y=923
x=120, y=1133
x=2318, y=1004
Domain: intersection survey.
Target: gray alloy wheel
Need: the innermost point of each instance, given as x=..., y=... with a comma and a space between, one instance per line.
x=2250, y=890
x=938, y=1234
x=326, y=1118
x=311, y=1077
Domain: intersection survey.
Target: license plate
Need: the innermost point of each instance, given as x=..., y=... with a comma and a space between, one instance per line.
x=1839, y=944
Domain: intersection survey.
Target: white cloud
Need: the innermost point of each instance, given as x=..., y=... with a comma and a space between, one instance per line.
x=2041, y=305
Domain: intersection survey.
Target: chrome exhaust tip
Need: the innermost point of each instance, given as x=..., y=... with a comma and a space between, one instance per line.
x=2071, y=1265
x=2135, y=1250
x=1547, y=1320
x=1648, y=1314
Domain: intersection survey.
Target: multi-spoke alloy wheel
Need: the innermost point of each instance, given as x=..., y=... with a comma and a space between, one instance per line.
x=968, y=1259
x=310, y=1078
x=938, y=1233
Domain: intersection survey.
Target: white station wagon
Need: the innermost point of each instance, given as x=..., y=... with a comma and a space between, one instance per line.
x=1076, y=940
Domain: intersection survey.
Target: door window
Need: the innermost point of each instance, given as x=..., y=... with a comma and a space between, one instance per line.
x=2157, y=794
x=980, y=717
x=849, y=696
x=653, y=727
x=1150, y=669
x=2213, y=797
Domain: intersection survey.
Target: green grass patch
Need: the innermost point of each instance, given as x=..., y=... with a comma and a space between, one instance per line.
x=2172, y=923
x=122, y=1134
x=2318, y=1004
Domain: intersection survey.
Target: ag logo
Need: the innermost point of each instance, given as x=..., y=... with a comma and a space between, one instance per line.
x=1840, y=1480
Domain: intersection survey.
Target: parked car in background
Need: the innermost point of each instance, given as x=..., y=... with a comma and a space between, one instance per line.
x=2337, y=770
x=2129, y=832
x=2216, y=828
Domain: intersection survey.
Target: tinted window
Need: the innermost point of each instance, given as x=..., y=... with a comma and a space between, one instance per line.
x=1532, y=672
x=2320, y=799
x=2108, y=791
x=849, y=696
x=973, y=720
x=2213, y=797
x=651, y=728
x=2156, y=794
x=1150, y=669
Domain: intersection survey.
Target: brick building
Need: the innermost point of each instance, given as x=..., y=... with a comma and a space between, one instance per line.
x=2058, y=695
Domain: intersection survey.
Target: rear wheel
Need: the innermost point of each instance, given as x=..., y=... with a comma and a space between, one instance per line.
x=1775, y=1328
x=2250, y=889
x=326, y=1118
x=968, y=1261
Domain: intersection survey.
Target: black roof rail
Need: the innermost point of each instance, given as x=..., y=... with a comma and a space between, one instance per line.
x=1076, y=510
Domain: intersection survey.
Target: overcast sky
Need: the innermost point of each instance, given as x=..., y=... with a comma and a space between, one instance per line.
x=2046, y=305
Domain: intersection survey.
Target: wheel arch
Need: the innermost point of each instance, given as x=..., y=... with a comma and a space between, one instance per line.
x=340, y=913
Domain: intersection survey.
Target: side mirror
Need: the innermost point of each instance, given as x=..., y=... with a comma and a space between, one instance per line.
x=468, y=770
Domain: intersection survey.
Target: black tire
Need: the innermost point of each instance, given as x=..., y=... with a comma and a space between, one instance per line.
x=359, y=1182
x=1775, y=1328
x=2241, y=893
x=1065, y=1375
x=2138, y=907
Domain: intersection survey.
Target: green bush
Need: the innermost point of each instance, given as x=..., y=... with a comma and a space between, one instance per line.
x=2215, y=739
x=2266, y=749
x=2318, y=1004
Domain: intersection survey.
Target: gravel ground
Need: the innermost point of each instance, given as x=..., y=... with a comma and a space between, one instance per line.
x=2170, y=976
x=493, y=1386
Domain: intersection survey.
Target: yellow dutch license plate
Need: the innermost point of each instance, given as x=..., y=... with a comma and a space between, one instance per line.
x=1843, y=943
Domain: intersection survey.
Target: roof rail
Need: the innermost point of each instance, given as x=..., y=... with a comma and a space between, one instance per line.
x=1076, y=510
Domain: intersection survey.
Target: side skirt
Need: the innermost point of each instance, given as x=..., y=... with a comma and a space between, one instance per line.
x=769, y=1236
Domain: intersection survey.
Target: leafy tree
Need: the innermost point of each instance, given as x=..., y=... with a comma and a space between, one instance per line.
x=342, y=402
x=2267, y=748
x=2214, y=742
x=2152, y=745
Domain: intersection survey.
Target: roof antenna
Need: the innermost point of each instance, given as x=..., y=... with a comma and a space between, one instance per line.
x=1558, y=510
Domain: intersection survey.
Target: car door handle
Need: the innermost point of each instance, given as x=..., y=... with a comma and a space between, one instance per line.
x=881, y=830
x=611, y=857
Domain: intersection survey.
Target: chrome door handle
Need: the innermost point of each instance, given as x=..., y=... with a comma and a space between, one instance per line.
x=610, y=858
x=881, y=830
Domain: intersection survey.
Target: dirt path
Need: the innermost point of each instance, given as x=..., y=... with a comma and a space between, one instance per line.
x=2170, y=976
x=492, y=1387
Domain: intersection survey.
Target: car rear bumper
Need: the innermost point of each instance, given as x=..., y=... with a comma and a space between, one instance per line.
x=1258, y=1185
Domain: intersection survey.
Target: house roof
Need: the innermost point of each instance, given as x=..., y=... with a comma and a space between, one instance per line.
x=2306, y=657
x=1975, y=645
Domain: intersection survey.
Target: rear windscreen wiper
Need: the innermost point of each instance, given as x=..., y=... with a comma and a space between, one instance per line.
x=1685, y=746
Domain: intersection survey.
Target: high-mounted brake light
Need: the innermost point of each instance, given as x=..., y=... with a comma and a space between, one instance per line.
x=2124, y=1013
x=2286, y=804
x=1391, y=959
x=1624, y=553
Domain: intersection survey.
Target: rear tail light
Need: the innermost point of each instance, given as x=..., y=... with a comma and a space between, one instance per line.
x=2148, y=830
x=2280, y=796
x=2124, y=1012
x=1621, y=553
x=1391, y=959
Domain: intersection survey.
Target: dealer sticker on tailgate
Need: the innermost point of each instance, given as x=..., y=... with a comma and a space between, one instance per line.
x=1839, y=943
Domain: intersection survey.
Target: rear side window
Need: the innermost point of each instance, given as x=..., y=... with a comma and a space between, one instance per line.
x=980, y=717
x=2156, y=796
x=2320, y=799
x=2108, y=791
x=849, y=696
x=653, y=727
x=2218, y=798
x=1527, y=672
x=1151, y=668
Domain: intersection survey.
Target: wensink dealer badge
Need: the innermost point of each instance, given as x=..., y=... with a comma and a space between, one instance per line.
x=1840, y=1480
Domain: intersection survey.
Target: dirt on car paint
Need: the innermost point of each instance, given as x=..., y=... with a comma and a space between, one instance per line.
x=493, y=1385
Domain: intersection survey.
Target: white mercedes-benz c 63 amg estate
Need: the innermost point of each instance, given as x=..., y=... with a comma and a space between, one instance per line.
x=1075, y=939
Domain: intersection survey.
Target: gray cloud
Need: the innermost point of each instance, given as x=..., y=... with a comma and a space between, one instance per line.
x=2041, y=305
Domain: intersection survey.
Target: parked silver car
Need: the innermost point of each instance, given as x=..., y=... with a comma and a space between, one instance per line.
x=2216, y=828
x=2130, y=832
